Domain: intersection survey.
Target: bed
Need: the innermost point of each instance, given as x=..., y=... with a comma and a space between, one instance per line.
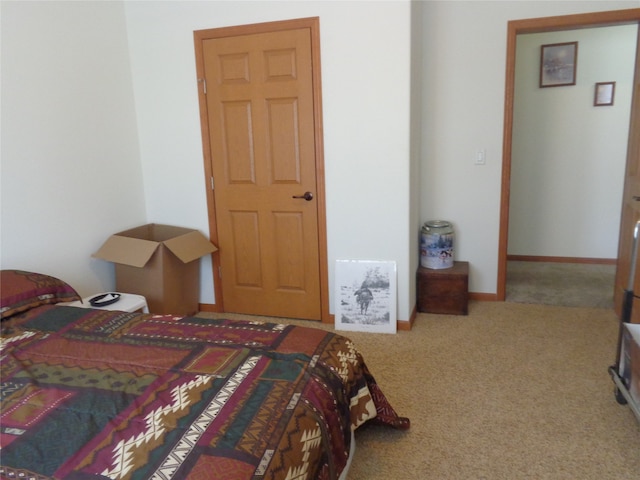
x=90, y=394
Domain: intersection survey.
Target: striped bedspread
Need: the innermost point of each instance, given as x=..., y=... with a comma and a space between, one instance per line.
x=91, y=394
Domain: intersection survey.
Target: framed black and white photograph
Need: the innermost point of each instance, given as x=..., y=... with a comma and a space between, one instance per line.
x=604, y=94
x=365, y=296
x=558, y=64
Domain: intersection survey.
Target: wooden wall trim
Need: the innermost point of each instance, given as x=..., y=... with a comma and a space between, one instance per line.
x=577, y=21
x=483, y=297
x=539, y=258
x=407, y=325
x=210, y=307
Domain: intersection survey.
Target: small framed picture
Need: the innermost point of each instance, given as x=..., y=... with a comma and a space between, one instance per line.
x=366, y=296
x=604, y=93
x=558, y=64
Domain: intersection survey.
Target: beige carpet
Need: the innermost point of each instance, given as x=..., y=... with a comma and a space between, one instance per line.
x=563, y=284
x=511, y=391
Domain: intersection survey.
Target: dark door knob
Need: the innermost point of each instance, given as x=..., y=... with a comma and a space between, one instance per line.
x=308, y=196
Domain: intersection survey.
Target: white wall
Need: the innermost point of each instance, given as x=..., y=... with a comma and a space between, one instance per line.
x=463, y=102
x=365, y=49
x=70, y=171
x=69, y=116
x=569, y=157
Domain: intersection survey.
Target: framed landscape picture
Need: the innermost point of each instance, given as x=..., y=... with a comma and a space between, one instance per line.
x=558, y=64
x=365, y=296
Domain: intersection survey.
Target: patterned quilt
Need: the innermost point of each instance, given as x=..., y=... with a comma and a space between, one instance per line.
x=105, y=394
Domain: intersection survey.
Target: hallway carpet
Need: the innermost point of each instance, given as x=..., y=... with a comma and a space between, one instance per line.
x=562, y=284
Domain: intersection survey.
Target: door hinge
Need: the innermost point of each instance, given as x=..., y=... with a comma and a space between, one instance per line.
x=203, y=81
x=220, y=271
x=213, y=187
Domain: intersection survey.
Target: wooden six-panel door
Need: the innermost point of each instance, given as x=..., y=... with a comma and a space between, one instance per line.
x=262, y=142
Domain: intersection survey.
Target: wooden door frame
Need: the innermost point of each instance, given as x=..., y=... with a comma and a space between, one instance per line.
x=537, y=25
x=313, y=24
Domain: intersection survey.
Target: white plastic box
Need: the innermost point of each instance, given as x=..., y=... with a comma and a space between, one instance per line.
x=630, y=359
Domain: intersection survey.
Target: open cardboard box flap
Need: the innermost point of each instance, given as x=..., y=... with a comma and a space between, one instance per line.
x=190, y=246
x=127, y=251
x=136, y=246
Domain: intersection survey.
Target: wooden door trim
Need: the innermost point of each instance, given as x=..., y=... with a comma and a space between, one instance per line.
x=313, y=24
x=536, y=25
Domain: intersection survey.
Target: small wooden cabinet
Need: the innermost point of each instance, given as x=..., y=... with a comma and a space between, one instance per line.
x=445, y=290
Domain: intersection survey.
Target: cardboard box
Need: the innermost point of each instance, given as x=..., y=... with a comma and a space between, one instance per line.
x=631, y=359
x=160, y=262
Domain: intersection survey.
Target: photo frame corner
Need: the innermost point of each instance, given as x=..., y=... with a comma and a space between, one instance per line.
x=366, y=296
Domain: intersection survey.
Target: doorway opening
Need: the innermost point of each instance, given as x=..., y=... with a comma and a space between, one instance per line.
x=549, y=24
